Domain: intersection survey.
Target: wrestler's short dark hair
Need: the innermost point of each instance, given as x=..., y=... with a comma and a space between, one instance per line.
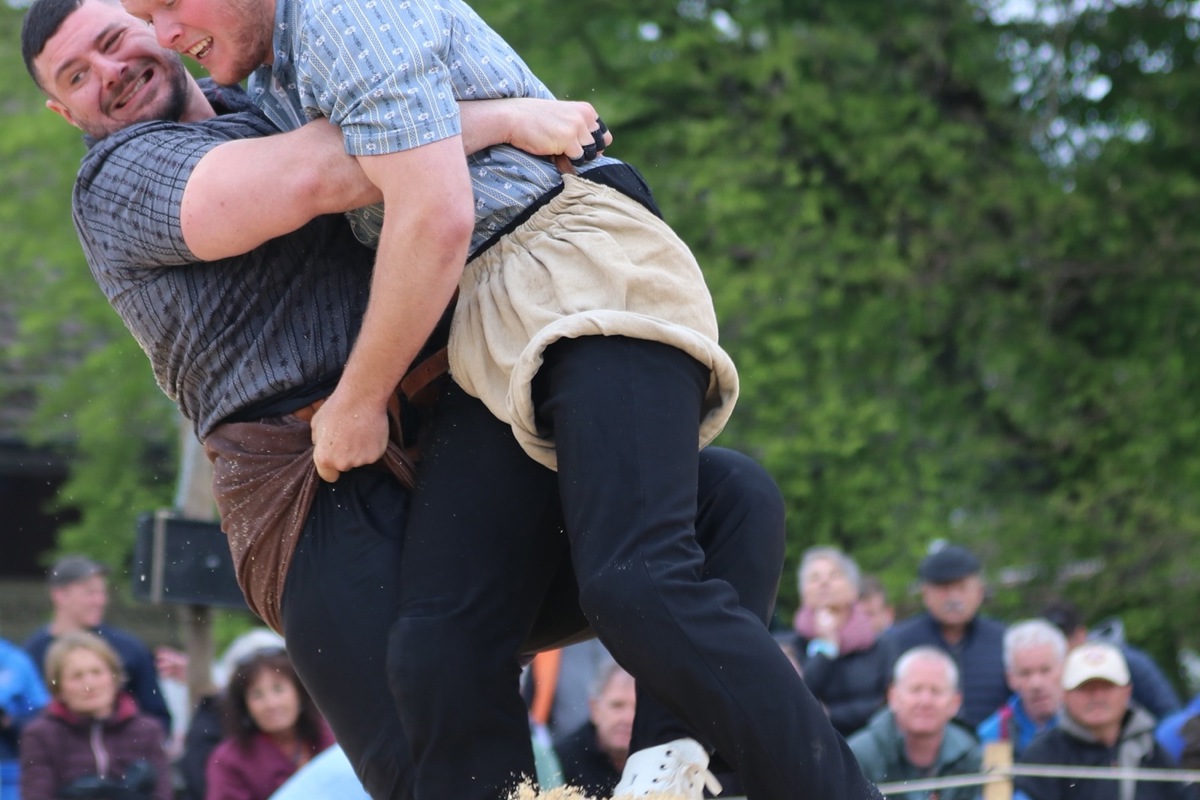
x=42, y=21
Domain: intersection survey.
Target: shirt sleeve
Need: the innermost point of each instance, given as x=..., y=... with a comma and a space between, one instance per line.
x=143, y=684
x=380, y=71
x=29, y=694
x=129, y=194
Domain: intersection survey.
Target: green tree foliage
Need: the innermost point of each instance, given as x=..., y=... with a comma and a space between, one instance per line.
x=954, y=258
x=96, y=396
x=947, y=326
x=1108, y=89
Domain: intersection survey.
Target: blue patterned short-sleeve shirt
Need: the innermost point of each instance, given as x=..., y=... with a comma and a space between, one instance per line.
x=389, y=73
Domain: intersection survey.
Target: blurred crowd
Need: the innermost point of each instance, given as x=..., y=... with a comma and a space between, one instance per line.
x=84, y=711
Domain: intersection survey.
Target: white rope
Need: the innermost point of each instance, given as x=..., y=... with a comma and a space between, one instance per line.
x=1042, y=771
x=1002, y=774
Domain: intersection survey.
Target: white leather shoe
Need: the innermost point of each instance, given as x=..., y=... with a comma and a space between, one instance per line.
x=676, y=768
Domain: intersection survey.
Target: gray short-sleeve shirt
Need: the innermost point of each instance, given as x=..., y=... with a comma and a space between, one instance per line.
x=222, y=336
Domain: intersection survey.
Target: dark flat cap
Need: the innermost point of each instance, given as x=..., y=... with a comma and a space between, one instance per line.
x=948, y=564
x=70, y=569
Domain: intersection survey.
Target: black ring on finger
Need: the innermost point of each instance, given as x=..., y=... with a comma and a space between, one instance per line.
x=598, y=136
x=589, y=153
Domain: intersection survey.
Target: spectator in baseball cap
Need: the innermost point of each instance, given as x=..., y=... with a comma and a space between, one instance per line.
x=1101, y=727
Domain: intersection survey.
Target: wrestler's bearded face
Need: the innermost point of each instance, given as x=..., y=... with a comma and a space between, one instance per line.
x=104, y=71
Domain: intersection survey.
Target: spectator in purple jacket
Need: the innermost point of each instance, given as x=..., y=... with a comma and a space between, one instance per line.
x=91, y=741
x=272, y=726
x=79, y=596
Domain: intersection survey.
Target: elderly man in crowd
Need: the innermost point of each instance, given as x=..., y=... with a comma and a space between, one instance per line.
x=594, y=754
x=914, y=737
x=952, y=591
x=1034, y=651
x=1152, y=690
x=1101, y=727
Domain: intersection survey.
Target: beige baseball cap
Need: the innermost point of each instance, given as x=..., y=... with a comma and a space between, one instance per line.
x=1095, y=660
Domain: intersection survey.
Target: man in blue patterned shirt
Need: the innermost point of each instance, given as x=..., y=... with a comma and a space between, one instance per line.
x=583, y=322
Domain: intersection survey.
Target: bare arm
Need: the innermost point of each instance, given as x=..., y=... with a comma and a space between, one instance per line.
x=245, y=193
x=422, y=250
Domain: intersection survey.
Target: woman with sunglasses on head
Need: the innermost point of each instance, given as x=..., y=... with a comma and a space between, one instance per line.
x=272, y=727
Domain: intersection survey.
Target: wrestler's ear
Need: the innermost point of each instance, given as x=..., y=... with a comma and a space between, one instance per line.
x=61, y=110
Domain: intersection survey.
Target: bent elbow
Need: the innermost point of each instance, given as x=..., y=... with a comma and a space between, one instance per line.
x=450, y=227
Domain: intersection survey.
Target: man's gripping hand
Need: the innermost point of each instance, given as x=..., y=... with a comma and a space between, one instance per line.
x=347, y=433
x=556, y=127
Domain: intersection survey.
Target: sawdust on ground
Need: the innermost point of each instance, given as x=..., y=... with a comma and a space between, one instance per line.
x=529, y=792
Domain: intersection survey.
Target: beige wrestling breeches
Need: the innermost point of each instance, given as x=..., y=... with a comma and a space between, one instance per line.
x=591, y=262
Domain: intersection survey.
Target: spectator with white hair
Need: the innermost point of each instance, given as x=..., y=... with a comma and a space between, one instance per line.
x=593, y=755
x=835, y=643
x=914, y=737
x=1034, y=651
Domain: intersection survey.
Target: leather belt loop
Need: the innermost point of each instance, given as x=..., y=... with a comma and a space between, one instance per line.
x=416, y=380
x=564, y=164
x=422, y=375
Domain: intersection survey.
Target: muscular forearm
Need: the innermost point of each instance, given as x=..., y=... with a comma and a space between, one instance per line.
x=245, y=193
x=539, y=127
x=422, y=249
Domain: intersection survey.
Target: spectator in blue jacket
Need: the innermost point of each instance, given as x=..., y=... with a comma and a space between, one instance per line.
x=79, y=595
x=1170, y=733
x=1151, y=688
x=952, y=591
x=22, y=695
x=1034, y=652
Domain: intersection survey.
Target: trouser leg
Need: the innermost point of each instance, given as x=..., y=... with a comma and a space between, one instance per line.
x=340, y=599
x=740, y=528
x=625, y=417
x=483, y=542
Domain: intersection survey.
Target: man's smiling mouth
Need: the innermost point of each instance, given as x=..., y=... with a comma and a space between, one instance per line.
x=200, y=49
x=133, y=89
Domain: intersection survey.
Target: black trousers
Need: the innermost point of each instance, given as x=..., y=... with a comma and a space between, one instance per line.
x=484, y=530
x=678, y=597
